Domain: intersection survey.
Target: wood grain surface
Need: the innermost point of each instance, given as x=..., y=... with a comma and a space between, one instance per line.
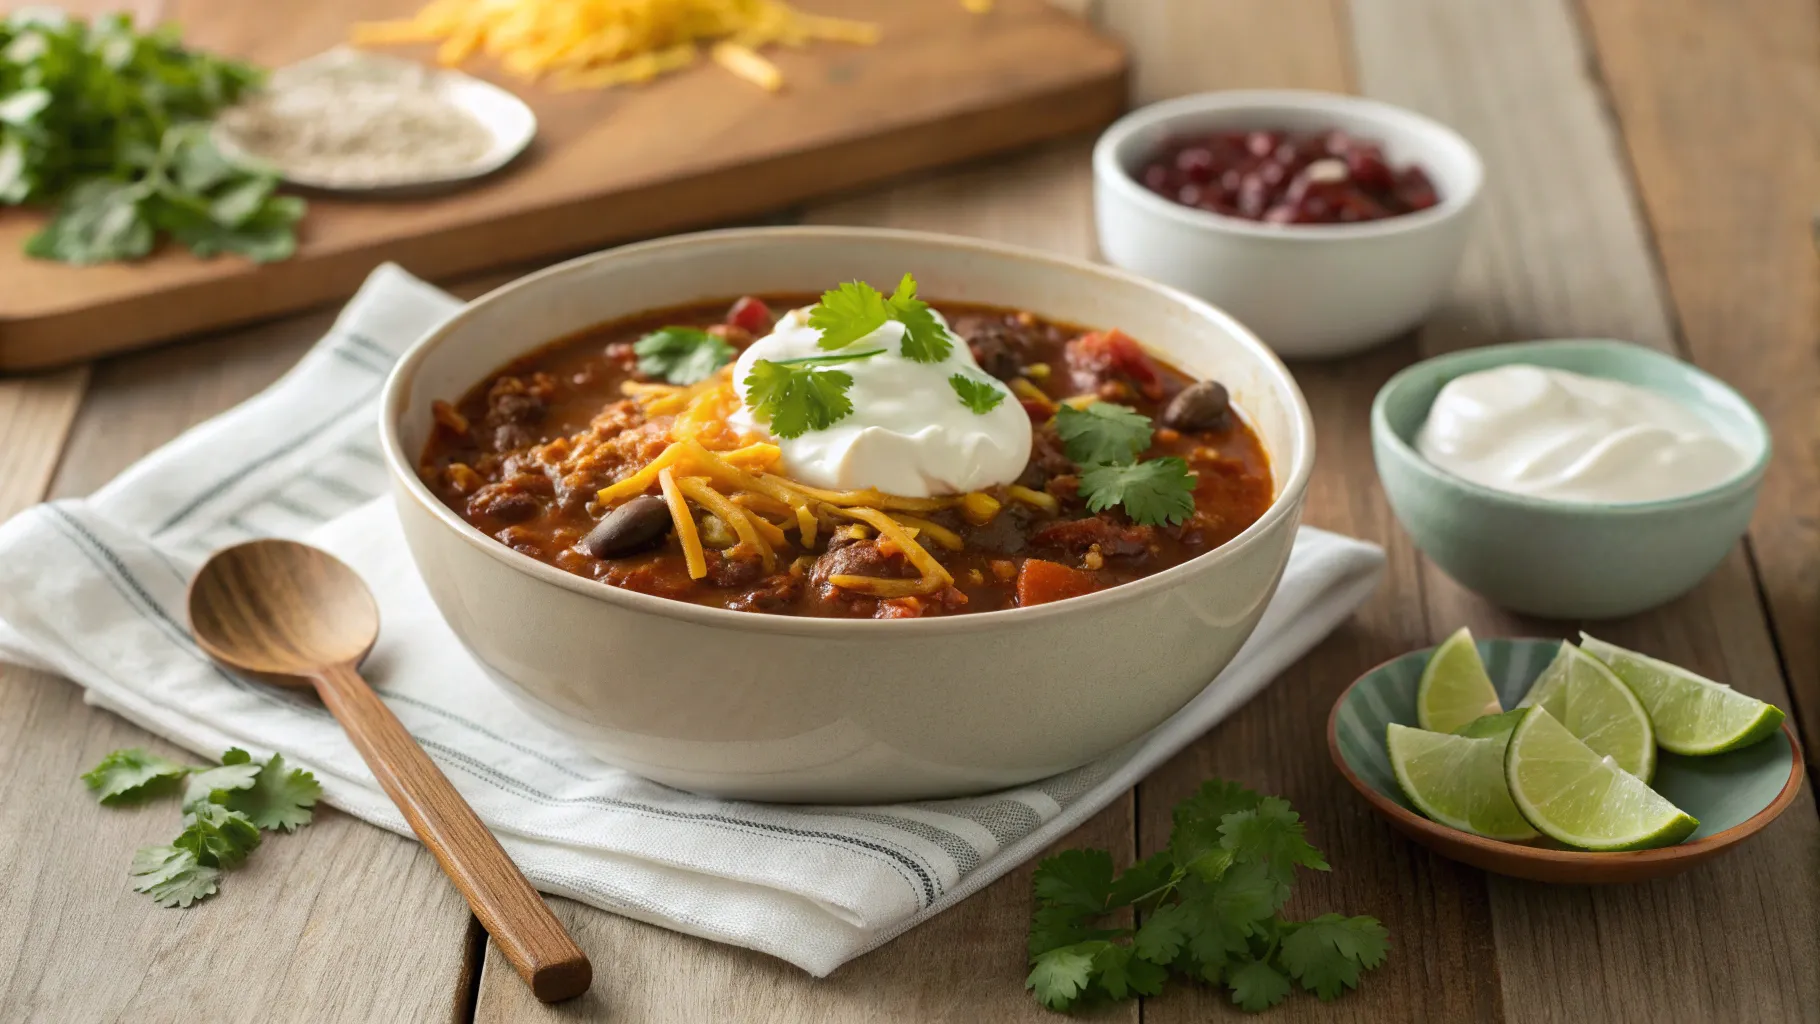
x=690, y=149
x=1651, y=173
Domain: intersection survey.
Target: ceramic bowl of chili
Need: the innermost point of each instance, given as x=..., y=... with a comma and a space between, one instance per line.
x=1312, y=230
x=828, y=709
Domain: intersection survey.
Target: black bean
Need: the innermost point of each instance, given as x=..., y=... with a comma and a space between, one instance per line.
x=638, y=525
x=1203, y=405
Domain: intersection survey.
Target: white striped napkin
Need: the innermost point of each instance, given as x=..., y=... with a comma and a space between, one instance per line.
x=93, y=589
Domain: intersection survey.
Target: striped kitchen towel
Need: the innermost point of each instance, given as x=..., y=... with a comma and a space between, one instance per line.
x=94, y=588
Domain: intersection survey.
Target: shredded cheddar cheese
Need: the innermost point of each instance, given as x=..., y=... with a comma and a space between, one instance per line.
x=582, y=44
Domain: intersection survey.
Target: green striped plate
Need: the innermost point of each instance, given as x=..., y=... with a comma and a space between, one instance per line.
x=1722, y=791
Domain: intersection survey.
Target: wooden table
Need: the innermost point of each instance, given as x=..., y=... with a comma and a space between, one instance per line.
x=1653, y=166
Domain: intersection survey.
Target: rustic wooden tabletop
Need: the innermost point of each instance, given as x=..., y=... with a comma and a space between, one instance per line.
x=1653, y=167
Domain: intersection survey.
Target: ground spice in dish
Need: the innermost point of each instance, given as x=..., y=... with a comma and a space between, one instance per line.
x=356, y=119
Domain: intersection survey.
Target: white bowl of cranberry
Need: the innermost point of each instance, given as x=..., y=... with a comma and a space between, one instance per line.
x=1325, y=223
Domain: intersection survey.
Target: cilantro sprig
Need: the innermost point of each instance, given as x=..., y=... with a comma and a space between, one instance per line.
x=856, y=309
x=1208, y=908
x=1104, y=440
x=795, y=396
x=224, y=809
x=681, y=355
x=980, y=396
x=1103, y=432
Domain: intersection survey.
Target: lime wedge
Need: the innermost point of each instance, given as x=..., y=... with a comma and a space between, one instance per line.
x=1458, y=780
x=1691, y=714
x=1454, y=689
x=1582, y=798
x=1582, y=694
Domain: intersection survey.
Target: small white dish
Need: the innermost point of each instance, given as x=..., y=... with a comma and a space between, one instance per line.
x=507, y=119
x=1309, y=290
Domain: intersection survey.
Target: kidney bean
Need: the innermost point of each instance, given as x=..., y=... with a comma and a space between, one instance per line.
x=1326, y=177
x=638, y=525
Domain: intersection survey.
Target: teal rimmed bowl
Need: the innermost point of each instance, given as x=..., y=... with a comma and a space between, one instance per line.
x=1733, y=794
x=1556, y=559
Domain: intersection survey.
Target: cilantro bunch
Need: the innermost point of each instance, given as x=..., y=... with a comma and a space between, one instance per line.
x=1104, y=439
x=1207, y=908
x=109, y=126
x=224, y=809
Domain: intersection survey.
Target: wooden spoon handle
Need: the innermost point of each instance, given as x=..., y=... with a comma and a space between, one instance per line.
x=511, y=911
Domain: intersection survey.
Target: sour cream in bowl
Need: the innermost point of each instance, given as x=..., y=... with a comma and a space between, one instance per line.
x=1555, y=434
x=1574, y=479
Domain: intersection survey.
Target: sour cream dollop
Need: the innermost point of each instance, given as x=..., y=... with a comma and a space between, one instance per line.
x=909, y=433
x=1554, y=434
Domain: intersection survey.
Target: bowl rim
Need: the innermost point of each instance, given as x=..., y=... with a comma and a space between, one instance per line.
x=1291, y=488
x=1504, y=355
x=1109, y=173
x=1410, y=820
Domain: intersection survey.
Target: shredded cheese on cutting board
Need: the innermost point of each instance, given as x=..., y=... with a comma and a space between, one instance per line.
x=582, y=44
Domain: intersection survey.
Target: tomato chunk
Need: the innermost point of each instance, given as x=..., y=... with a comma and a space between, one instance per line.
x=751, y=315
x=1040, y=582
x=1099, y=356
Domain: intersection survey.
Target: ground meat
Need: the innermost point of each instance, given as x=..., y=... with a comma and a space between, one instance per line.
x=849, y=557
x=509, y=501
x=514, y=406
x=774, y=593
x=1047, y=458
x=725, y=570
x=1002, y=343
x=1076, y=536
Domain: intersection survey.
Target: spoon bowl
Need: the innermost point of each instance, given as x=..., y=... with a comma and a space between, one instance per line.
x=282, y=609
x=295, y=615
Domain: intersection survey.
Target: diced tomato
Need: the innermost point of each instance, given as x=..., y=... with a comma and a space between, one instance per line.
x=1097, y=355
x=1039, y=412
x=750, y=314
x=1040, y=582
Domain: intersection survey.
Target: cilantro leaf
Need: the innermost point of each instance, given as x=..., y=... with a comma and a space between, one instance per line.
x=1195, y=842
x=1142, y=880
x=1121, y=974
x=1103, y=433
x=132, y=774
x=1080, y=879
x=1059, y=976
x=172, y=877
x=1163, y=934
x=847, y=314
x=237, y=771
x=977, y=395
x=278, y=799
x=1271, y=834
x=1053, y=927
x=797, y=399
x=681, y=355
x=1257, y=986
x=217, y=836
x=925, y=339
x=1153, y=493
x=1326, y=954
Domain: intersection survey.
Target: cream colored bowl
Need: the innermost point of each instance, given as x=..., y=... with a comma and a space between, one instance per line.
x=804, y=709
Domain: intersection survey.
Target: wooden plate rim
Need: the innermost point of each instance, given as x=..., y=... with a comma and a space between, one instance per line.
x=1585, y=858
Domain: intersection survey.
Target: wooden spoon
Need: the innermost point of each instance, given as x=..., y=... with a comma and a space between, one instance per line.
x=293, y=615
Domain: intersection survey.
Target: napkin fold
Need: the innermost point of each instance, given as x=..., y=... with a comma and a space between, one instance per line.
x=93, y=589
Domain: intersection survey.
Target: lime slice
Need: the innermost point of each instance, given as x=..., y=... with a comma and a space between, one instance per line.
x=1691, y=714
x=1458, y=780
x=1582, y=694
x=1581, y=798
x=1455, y=689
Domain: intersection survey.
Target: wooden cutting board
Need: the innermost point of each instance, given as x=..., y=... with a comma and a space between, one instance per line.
x=693, y=149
